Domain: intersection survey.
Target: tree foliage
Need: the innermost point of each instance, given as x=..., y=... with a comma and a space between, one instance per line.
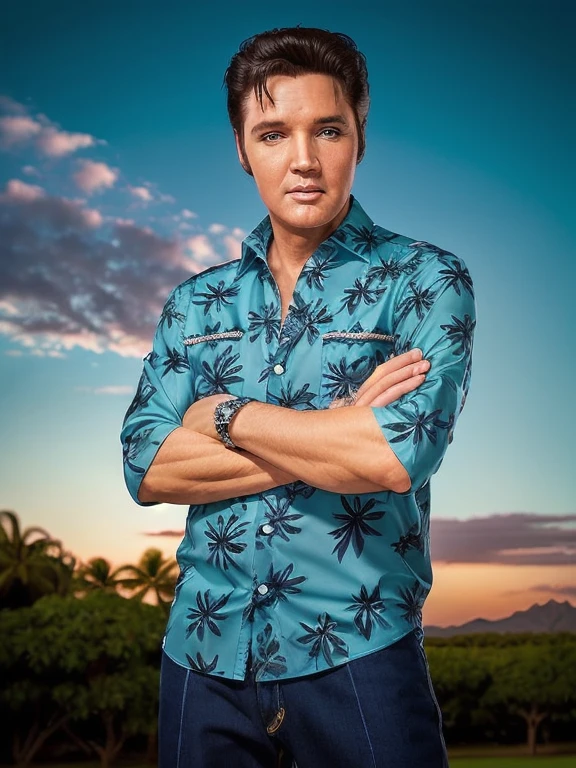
x=91, y=664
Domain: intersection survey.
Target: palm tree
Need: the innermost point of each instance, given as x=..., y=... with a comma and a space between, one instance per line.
x=154, y=573
x=32, y=563
x=97, y=574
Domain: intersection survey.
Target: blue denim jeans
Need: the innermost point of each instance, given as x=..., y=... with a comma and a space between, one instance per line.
x=377, y=711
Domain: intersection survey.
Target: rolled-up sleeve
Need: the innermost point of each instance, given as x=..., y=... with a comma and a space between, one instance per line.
x=156, y=409
x=435, y=312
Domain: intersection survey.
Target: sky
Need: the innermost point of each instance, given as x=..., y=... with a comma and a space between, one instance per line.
x=119, y=179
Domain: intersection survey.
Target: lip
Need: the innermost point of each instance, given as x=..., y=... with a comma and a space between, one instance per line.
x=304, y=196
x=306, y=188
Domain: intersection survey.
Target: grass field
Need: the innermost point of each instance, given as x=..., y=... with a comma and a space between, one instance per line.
x=551, y=756
x=540, y=761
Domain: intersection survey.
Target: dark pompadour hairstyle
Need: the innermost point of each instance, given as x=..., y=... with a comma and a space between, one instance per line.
x=296, y=51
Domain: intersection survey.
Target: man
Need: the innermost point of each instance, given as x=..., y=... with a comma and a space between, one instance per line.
x=299, y=399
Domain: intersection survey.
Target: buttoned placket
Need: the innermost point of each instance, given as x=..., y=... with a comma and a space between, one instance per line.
x=263, y=603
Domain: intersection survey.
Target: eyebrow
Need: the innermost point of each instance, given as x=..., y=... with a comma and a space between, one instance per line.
x=267, y=124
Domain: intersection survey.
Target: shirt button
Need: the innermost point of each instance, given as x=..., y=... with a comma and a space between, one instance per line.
x=278, y=368
x=267, y=529
x=262, y=589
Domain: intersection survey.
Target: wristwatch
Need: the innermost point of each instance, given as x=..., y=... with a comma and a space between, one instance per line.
x=223, y=415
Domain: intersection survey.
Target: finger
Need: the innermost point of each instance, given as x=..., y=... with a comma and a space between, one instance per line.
x=393, y=364
x=402, y=388
x=385, y=382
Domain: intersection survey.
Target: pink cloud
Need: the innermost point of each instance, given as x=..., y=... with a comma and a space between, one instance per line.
x=92, y=217
x=201, y=247
x=92, y=176
x=519, y=538
x=233, y=247
x=17, y=129
x=57, y=143
x=142, y=193
x=62, y=287
x=20, y=191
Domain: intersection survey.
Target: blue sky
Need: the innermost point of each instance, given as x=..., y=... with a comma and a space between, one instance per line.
x=119, y=177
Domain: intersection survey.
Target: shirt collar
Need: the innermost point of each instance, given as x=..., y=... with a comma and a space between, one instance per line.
x=353, y=235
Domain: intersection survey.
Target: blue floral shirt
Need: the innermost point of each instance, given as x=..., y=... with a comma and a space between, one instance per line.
x=306, y=578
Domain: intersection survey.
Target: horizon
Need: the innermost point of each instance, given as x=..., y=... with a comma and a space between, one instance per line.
x=119, y=179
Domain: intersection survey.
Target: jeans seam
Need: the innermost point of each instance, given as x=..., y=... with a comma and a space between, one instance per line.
x=361, y=714
x=182, y=717
x=435, y=700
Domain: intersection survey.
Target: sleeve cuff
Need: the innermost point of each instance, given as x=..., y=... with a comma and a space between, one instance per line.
x=140, y=450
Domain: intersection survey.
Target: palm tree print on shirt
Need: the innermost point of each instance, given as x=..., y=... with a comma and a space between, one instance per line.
x=266, y=320
x=175, y=362
x=455, y=276
x=392, y=269
x=324, y=640
x=219, y=295
x=281, y=517
x=344, y=378
x=412, y=539
x=412, y=601
x=416, y=424
x=360, y=292
x=144, y=392
x=300, y=397
x=206, y=614
x=355, y=526
x=419, y=301
x=367, y=238
x=222, y=541
x=170, y=314
x=315, y=270
x=218, y=377
x=303, y=318
x=133, y=447
x=267, y=657
x=280, y=584
x=460, y=333
x=368, y=609
x=200, y=665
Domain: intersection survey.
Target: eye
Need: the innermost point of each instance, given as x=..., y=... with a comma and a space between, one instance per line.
x=335, y=131
x=267, y=136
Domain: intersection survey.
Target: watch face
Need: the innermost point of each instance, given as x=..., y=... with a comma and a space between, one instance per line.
x=222, y=415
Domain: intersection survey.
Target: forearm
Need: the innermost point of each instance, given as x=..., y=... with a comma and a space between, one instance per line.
x=341, y=450
x=192, y=468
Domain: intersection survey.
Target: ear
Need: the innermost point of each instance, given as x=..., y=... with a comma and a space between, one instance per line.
x=239, y=151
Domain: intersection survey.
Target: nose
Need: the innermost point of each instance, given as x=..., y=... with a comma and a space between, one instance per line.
x=303, y=157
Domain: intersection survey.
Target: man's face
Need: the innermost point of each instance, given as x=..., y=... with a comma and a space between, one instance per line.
x=303, y=148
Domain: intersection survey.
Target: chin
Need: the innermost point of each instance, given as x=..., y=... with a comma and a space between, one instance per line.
x=308, y=214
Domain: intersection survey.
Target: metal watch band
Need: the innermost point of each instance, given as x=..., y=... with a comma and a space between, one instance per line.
x=223, y=414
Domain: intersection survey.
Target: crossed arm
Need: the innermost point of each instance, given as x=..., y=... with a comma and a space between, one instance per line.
x=339, y=449
x=393, y=438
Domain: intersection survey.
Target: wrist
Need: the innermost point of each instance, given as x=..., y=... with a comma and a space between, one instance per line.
x=224, y=413
x=238, y=428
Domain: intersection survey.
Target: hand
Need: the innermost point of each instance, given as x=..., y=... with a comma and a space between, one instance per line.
x=200, y=415
x=390, y=380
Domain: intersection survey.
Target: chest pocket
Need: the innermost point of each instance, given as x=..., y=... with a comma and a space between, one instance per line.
x=214, y=359
x=348, y=359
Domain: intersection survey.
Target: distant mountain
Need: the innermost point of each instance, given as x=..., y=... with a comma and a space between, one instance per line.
x=550, y=617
